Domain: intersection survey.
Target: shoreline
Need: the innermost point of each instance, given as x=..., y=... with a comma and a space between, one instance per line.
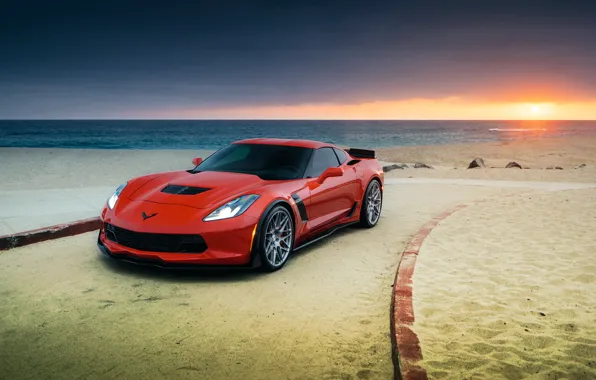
x=44, y=168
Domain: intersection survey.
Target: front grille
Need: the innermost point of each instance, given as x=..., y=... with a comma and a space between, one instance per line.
x=183, y=190
x=155, y=242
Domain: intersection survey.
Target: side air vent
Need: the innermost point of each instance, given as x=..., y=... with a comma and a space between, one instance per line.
x=353, y=162
x=183, y=190
x=301, y=208
x=351, y=212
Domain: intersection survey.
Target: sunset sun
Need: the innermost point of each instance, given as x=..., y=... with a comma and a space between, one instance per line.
x=540, y=111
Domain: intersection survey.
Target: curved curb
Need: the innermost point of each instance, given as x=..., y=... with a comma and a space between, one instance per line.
x=405, y=344
x=48, y=233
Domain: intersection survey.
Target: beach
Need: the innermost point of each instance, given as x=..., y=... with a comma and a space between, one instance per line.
x=327, y=313
x=538, y=155
x=50, y=168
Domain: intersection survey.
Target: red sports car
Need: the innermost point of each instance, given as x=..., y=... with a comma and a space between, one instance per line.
x=251, y=203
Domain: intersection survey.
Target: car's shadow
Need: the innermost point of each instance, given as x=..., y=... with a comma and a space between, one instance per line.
x=207, y=274
x=210, y=274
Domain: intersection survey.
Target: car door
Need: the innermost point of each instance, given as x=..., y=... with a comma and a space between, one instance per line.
x=332, y=198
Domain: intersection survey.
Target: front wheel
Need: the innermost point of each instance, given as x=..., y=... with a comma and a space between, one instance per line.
x=372, y=204
x=276, y=239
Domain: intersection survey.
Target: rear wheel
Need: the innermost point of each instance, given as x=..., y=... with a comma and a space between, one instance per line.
x=372, y=204
x=276, y=239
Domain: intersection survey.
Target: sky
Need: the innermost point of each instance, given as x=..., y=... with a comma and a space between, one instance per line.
x=305, y=59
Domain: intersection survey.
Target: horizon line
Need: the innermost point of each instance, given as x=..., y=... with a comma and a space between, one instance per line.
x=253, y=119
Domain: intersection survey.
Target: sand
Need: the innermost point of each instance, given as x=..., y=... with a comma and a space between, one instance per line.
x=451, y=161
x=69, y=168
x=66, y=313
x=506, y=290
x=567, y=152
x=38, y=168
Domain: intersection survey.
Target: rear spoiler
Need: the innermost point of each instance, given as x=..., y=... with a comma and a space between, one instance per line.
x=362, y=153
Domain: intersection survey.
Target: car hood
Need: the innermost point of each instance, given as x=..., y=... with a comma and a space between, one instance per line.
x=198, y=190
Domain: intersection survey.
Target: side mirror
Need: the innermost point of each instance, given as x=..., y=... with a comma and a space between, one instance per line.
x=330, y=172
x=196, y=161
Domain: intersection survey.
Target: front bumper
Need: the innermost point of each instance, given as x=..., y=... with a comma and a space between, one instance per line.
x=229, y=246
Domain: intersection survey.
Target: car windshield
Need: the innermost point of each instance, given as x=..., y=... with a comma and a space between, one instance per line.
x=269, y=162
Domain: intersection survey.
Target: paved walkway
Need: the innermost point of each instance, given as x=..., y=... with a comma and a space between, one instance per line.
x=24, y=210
x=548, y=186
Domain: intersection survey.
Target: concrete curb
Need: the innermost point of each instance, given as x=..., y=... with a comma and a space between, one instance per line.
x=48, y=233
x=406, y=346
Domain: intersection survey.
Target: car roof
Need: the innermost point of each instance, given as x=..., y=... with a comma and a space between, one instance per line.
x=286, y=142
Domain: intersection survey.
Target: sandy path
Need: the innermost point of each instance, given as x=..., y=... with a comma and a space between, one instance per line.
x=547, y=186
x=67, y=314
x=506, y=290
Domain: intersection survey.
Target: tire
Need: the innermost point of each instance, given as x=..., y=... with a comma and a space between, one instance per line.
x=366, y=220
x=276, y=239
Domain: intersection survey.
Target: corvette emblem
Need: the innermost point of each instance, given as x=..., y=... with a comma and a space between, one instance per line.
x=145, y=216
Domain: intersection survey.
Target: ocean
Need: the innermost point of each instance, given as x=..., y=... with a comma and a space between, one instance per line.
x=213, y=134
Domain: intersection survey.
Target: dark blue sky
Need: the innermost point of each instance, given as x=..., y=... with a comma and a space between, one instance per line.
x=121, y=59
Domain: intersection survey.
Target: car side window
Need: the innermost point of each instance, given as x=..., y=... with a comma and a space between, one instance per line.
x=322, y=159
x=341, y=155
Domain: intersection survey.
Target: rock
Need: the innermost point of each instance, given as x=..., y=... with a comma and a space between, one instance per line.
x=388, y=168
x=554, y=167
x=558, y=168
x=513, y=164
x=581, y=166
x=419, y=165
x=476, y=163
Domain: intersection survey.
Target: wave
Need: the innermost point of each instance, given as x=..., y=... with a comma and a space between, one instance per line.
x=516, y=129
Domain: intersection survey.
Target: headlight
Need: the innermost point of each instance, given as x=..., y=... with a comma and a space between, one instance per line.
x=232, y=208
x=112, y=200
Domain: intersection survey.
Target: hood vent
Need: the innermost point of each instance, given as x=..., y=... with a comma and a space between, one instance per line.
x=183, y=190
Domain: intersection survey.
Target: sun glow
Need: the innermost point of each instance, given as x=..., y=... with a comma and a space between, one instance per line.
x=416, y=108
x=540, y=111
